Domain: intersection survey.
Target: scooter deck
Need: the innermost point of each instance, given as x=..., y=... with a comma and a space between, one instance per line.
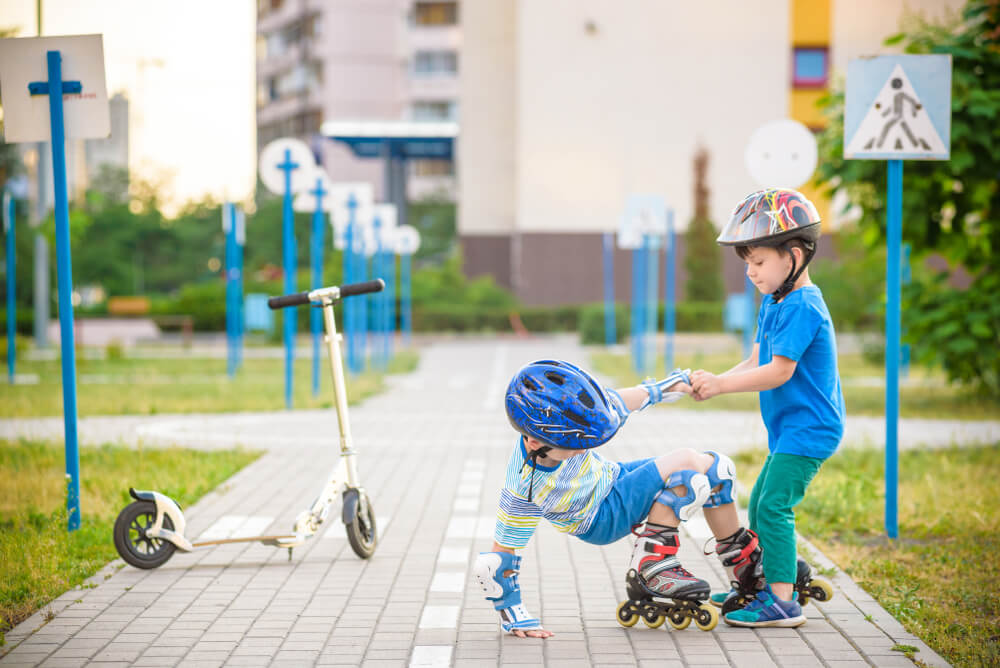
x=248, y=539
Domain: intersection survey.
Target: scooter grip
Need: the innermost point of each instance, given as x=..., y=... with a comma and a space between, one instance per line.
x=296, y=299
x=378, y=285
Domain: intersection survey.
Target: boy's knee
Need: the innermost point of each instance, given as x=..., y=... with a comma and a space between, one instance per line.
x=683, y=459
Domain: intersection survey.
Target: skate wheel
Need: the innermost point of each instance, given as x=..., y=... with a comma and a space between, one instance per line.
x=706, y=617
x=653, y=619
x=626, y=616
x=679, y=620
x=821, y=590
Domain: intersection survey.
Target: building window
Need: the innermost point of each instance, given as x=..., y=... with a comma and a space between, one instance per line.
x=810, y=67
x=435, y=13
x=433, y=110
x=435, y=63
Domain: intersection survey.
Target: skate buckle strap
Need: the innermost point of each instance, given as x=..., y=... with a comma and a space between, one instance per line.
x=659, y=548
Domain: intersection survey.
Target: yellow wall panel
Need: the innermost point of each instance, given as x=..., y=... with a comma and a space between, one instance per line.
x=810, y=23
x=802, y=106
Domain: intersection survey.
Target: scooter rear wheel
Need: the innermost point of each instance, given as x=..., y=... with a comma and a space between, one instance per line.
x=361, y=531
x=131, y=541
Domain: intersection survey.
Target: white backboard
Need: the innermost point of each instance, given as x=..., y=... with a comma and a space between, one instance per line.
x=407, y=240
x=274, y=154
x=781, y=154
x=24, y=60
x=305, y=199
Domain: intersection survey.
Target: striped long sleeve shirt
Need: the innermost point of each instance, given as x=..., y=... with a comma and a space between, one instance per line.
x=567, y=495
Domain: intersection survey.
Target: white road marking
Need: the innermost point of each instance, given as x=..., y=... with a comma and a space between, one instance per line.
x=466, y=504
x=471, y=527
x=448, y=582
x=235, y=526
x=498, y=381
x=439, y=617
x=431, y=656
x=454, y=555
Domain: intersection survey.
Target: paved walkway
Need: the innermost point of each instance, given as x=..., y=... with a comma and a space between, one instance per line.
x=432, y=452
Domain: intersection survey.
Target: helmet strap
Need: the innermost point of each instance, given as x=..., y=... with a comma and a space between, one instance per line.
x=793, y=275
x=533, y=456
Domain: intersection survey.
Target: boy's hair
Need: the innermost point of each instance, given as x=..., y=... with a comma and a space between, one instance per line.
x=783, y=249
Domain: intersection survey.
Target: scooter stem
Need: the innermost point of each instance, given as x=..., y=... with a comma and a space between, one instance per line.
x=340, y=392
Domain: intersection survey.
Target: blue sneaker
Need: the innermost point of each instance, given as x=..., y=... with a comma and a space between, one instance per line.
x=719, y=598
x=768, y=610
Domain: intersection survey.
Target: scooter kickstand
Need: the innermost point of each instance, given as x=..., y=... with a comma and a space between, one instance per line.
x=289, y=554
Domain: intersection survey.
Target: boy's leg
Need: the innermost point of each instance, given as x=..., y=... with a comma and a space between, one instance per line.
x=782, y=489
x=755, y=495
x=786, y=483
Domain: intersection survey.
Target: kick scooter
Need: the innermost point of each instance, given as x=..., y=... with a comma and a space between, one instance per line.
x=150, y=529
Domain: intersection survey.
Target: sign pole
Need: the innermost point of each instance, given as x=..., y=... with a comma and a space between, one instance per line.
x=609, y=289
x=10, y=229
x=315, y=315
x=239, y=219
x=229, y=228
x=64, y=275
x=290, y=253
x=669, y=294
x=894, y=226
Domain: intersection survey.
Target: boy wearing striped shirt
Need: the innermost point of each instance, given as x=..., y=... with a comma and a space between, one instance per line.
x=562, y=414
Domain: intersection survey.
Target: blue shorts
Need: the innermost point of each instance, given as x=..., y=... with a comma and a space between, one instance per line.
x=627, y=504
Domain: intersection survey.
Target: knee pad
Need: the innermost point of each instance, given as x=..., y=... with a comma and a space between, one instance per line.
x=721, y=474
x=489, y=569
x=698, y=491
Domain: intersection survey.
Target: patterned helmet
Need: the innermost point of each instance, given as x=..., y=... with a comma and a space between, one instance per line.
x=771, y=217
x=562, y=405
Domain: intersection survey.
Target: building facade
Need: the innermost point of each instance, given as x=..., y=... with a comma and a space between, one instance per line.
x=570, y=106
x=347, y=60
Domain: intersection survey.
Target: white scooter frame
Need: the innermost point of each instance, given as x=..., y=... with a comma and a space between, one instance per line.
x=149, y=530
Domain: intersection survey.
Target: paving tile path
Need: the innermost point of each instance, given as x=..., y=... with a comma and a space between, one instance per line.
x=432, y=452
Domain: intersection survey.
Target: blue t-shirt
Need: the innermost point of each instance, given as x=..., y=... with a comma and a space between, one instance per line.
x=805, y=415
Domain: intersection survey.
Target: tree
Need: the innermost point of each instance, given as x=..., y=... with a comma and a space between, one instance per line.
x=702, y=256
x=951, y=208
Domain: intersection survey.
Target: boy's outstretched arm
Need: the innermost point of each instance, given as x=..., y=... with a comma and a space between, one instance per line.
x=497, y=572
x=767, y=377
x=653, y=392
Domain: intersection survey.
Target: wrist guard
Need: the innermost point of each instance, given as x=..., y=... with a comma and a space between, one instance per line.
x=658, y=389
x=504, y=592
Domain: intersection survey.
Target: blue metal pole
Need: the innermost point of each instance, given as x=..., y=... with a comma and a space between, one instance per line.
x=349, y=310
x=378, y=316
x=652, y=301
x=229, y=226
x=240, y=224
x=391, y=291
x=361, y=302
x=317, y=247
x=640, y=362
x=288, y=243
x=894, y=227
x=609, y=289
x=10, y=228
x=404, y=298
x=64, y=273
x=669, y=294
x=904, y=370
x=634, y=312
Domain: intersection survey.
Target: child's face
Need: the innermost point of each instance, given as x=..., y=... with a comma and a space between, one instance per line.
x=767, y=268
x=558, y=454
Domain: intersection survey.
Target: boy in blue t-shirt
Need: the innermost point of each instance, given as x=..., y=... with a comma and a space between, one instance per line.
x=794, y=368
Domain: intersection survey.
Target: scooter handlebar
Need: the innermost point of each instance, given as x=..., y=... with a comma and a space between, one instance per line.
x=296, y=299
x=300, y=298
x=377, y=285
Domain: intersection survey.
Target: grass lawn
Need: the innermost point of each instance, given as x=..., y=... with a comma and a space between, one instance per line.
x=40, y=559
x=941, y=578
x=186, y=385
x=927, y=395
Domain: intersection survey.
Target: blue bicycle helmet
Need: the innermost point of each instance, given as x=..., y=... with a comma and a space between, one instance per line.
x=563, y=406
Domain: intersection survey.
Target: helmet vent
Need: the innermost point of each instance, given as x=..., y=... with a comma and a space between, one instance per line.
x=585, y=399
x=530, y=384
x=556, y=378
x=576, y=417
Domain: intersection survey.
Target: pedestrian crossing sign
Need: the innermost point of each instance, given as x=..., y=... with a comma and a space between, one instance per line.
x=898, y=108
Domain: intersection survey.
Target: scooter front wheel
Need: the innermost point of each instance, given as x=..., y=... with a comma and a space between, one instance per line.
x=361, y=531
x=131, y=541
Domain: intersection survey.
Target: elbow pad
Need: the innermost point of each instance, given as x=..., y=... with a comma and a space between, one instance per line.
x=489, y=570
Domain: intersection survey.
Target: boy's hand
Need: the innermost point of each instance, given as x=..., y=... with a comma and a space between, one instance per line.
x=532, y=633
x=705, y=385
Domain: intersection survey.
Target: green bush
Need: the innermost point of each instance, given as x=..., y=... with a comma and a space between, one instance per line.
x=592, y=324
x=25, y=321
x=958, y=329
